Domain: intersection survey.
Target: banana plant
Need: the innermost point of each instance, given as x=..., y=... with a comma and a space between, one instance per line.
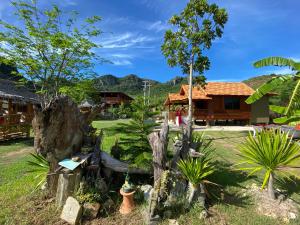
x=291, y=111
x=271, y=151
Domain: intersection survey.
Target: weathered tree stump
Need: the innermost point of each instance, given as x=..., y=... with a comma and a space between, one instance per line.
x=159, y=144
x=67, y=185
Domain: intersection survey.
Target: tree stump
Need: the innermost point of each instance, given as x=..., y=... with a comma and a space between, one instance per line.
x=159, y=144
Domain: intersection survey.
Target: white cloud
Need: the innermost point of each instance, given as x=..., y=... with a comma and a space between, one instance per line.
x=280, y=71
x=127, y=40
x=121, y=62
x=158, y=26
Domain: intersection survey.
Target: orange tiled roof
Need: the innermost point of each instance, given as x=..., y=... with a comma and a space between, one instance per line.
x=212, y=88
x=228, y=88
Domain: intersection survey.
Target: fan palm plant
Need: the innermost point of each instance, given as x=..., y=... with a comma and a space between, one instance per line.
x=39, y=166
x=271, y=151
x=196, y=170
x=291, y=112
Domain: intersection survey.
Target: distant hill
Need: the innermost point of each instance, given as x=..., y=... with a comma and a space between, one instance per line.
x=6, y=72
x=133, y=85
x=255, y=82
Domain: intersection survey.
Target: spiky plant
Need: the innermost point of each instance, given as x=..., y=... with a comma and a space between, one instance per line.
x=196, y=170
x=271, y=151
x=39, y=166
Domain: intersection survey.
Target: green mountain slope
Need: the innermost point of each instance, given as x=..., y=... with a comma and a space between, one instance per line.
x=133, y=85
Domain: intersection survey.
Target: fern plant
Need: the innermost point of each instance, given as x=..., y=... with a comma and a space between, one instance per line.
x=39, y=166
x=271, y=151
x=291, y=111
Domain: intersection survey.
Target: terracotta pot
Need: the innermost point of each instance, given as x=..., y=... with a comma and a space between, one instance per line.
x=128, y=204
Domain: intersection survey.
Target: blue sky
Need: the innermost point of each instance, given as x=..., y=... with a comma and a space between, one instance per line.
x=134, y=30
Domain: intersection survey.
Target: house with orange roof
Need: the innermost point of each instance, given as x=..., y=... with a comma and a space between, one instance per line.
x=219, y=101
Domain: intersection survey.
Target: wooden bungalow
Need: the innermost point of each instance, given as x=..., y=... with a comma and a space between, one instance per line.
x=16, y=110
x=219, y=101
x=114, y=98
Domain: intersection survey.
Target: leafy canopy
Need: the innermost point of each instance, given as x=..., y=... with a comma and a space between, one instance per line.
x=49, y=47
x=195, y=29
x=270, y=151
x=291, y=111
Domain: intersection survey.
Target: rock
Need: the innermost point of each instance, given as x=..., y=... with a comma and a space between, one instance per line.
x=72, y=211
x=154, y=220
x=90, y=210
x=173, y=222
x=203, y=214
x=292, y=215
x=146, y=189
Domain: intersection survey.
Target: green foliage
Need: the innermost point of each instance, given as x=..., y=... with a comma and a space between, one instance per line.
x=89, y=196
x=123, y=111
x=270, y=151
x=39, y=166
x=294, y=100
x=196, y=27
x=80, y=90
x=137, y=130
x=196, y=170
x=48, y=47
x=203, y=144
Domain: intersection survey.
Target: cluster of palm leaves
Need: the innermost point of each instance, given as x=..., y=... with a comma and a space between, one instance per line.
x=271, y=151
x=39, y=166
x=195, y=170
x=291, y=112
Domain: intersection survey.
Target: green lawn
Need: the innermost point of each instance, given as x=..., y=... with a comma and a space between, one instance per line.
x=108, y=138
x=20, y=206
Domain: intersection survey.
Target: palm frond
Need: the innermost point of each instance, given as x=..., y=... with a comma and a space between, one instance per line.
x=268, y=87
x=40, y=166
x=195, y=170
x=294, y=102
x=275, y=61
x=270, y=150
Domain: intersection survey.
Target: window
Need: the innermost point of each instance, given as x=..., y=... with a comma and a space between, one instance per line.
x=201, y=104
x=232, y=103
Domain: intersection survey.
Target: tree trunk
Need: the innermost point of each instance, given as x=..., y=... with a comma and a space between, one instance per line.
x=193, y=190
x=190, y=110
x=197, y=194
x=159, y=145
x=271, y=192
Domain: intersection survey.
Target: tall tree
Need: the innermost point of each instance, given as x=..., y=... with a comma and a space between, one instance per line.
x=194, y=30
x=291, y=112
x=49, y=47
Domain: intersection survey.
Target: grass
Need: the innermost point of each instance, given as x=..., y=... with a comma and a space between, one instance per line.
x=108, y=138
x=20, y=206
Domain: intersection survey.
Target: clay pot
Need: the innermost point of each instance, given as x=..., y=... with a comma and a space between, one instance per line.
x=128, y=204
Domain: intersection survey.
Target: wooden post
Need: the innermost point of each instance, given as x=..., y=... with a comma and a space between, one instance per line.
x=159, y=144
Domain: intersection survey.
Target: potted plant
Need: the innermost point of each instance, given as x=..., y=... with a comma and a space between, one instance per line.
x=127, y=191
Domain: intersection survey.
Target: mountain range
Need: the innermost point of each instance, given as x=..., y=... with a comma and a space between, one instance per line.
x=133, y=85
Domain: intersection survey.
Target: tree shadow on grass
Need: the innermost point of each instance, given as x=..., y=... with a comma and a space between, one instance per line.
x=290, y=188
x=229, y=180
x=26, y=141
